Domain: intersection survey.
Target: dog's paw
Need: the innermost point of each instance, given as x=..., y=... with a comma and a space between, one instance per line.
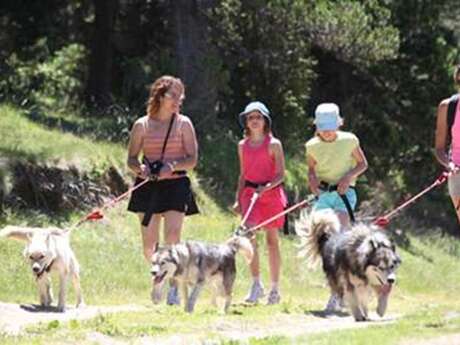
x=60, y=309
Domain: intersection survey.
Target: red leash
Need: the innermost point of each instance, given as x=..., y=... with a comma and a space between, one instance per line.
x=385, y=219
x=97, y=213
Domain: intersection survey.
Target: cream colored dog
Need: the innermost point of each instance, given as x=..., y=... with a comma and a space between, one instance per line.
x=48, y=250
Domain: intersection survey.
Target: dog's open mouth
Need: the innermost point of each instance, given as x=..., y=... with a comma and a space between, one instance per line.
x=159, y=278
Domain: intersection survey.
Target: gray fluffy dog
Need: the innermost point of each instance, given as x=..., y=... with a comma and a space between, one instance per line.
x=356, y=262
x=193, y=263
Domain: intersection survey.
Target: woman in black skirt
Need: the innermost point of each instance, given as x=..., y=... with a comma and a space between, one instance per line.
x=167, y=142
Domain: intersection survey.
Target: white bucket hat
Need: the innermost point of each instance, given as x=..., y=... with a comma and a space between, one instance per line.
x=327, y=117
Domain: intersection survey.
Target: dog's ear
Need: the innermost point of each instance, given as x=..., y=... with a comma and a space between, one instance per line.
x=17, y=232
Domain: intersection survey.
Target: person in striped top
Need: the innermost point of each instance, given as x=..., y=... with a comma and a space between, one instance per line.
x=167, y=142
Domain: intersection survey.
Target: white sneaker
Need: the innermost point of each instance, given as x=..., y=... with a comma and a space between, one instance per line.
x=333, y=305
x=173, y=296
x=256, y=292
x=274, y=297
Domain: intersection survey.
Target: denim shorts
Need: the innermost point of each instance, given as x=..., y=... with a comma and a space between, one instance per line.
x=332, y=200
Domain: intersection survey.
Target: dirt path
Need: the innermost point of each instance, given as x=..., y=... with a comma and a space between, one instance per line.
x=281, y=325
x=14, y=317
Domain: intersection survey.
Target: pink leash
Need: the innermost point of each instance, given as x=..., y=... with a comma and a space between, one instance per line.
x=286, y=211
x=385, y=219
x=254, y=198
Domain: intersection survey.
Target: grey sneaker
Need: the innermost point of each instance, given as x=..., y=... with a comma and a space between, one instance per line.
x=256, y=292
x=173, y=296
x=274, y=297
x=333, y=305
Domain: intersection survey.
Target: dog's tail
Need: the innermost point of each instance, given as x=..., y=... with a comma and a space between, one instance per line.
x=25, y=233
x=21, y=233
x=243, y=246
x=314, y=229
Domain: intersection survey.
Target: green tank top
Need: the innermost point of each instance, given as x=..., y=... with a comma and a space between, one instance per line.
x=333, y=159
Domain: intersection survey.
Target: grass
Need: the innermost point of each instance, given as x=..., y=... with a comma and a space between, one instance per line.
x=23, y=139
x=114, y=271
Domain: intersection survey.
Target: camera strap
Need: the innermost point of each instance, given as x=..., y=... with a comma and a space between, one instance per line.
x=167, y=136
x=165, y=142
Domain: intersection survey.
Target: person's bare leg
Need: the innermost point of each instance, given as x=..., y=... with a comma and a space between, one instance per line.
x=173, y=221
x=274, y=261
x=150, y=234
x=274, y=258
x=256, y=291
x=456, y=203
x=255, y=266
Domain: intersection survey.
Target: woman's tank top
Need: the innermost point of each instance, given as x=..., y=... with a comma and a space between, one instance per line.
x=155, y=134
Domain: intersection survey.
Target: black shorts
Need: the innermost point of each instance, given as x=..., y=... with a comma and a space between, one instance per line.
x=161, y=196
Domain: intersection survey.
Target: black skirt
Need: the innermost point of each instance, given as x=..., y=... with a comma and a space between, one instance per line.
x=161, y=196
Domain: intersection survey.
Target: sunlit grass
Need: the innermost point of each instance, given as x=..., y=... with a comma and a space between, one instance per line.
x=24, y=139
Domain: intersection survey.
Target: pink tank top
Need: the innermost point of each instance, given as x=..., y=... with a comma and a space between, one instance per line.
x=154, y=136
x=258, y=164
x=455, y=132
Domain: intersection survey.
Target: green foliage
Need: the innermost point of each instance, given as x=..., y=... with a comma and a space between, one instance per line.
x=267, y=59
x=356, y=32
x=54, y=79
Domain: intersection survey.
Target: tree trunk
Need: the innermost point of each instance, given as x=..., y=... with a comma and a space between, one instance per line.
x=98, y=89
x=192, y=56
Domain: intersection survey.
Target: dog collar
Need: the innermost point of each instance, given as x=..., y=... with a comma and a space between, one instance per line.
x=46, y=269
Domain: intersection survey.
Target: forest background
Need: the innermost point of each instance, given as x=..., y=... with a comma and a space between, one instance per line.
x=387, y=63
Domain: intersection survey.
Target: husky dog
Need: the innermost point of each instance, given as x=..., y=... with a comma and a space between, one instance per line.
x=48, y=250
x=192, y=263
x=356, y=262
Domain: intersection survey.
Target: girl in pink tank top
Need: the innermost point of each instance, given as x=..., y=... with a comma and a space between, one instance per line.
x=261, y=170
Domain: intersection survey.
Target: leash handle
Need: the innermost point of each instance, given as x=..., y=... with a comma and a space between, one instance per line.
x=254, y=198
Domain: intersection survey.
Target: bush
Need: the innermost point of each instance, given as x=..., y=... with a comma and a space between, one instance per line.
x=48, y=78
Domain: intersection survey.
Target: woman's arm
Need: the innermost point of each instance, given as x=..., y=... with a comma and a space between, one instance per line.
x=441, y=134
x=134, y=148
